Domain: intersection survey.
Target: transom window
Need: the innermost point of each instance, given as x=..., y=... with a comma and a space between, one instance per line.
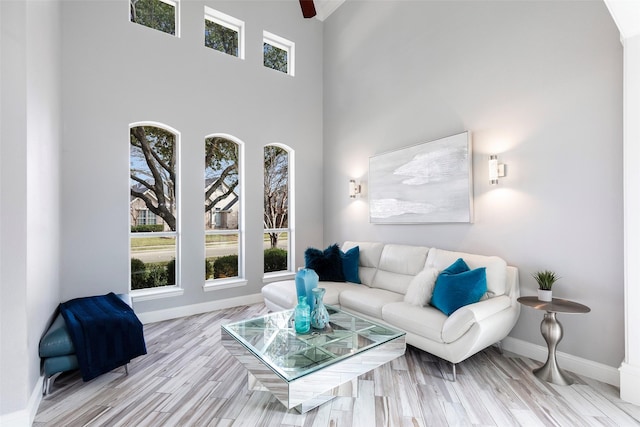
x=278, y=53
x=223, y=32
x=222, y=210
x=153, y=202
x=161, y=15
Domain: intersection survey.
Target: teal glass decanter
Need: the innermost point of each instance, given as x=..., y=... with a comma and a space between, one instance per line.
x=302, y=316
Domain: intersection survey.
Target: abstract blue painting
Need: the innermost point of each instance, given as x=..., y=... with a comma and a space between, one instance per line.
x=425, y=183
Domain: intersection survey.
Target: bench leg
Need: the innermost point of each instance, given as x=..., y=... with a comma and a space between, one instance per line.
x=126, y=369
x=46, y=384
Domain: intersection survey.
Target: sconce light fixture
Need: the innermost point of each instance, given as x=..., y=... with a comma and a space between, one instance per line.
x=354, y=189
x=496, y=170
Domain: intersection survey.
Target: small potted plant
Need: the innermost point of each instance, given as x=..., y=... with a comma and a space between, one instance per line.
x=545, y=280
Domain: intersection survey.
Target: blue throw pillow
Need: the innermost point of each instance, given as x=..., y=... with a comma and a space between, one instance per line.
x=350, y=262
x=453, y=291
x=457, y=267
x=327, y=264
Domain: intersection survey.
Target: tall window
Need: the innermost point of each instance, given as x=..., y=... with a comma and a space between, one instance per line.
x=223, y=32
x=277, y=229
x=160, y=15
x=278, y=53
x=222, y=209
x=153, y=205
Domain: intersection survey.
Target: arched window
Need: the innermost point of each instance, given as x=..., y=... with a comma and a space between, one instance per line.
x=277, y=215
x=153, y=205
x=223, y=209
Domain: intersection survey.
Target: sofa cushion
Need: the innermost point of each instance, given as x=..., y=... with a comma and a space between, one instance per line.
x=327, y=263
x=421, y=287
x=496, y=267
x=424, y=322
x=350, y=264
x=453, y=291
x=283, y=293
x=369, y=258
x=398, y=266
x=368, y=301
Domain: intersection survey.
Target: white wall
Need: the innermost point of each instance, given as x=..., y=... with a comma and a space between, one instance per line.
x=539, y=84
x=117, y=72
x=30, y=195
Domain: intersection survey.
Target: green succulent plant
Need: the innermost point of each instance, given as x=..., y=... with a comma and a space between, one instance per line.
x=545, y=279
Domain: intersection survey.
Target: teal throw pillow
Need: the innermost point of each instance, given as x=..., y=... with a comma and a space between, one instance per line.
x=453, y=291
x=350, y=262
x=327, y=264
x=457, y=267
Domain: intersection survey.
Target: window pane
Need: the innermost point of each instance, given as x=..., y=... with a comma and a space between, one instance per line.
x=275, y=58
x=276, y=187
x=220, y=38
x=221, y=252
x=221, y=196
x=154, y=14
x=276, y=245
x=153, y=262
x=153, y=181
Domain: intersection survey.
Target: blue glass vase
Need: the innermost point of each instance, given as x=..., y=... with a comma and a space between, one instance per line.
x=306, y=280
x=319, y=315
x=302, y=316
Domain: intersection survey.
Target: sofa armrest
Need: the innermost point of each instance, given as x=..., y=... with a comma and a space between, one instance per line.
x=463, y=318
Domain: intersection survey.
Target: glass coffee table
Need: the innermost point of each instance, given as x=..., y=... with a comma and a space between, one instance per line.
x=304, y=371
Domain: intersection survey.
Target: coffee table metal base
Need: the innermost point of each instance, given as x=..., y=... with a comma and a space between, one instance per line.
x=348, y=389
x=318, y=387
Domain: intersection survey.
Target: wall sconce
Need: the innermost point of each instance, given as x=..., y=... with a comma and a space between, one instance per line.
x=496, y=170
x=354, y=189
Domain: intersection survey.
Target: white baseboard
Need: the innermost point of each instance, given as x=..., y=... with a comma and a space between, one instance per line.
x=25, y=417
x=205, y=307
x=585, y=367
x=630, y=383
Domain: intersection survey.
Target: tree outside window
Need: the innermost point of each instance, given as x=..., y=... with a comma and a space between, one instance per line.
x=276, y=208
x=157, y=14
x=220, y=38
x=221, y=208
x=275, y=58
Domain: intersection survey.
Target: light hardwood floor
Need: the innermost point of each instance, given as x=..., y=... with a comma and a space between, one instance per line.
x=188, y=379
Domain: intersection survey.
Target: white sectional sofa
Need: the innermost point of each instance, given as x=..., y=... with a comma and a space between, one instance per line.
x=386, y=272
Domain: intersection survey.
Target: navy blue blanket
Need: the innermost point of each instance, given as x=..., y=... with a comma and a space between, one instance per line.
x=105, y=331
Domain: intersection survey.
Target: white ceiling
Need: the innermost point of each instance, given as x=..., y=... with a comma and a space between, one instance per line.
x=324, y=8
x=626, y=14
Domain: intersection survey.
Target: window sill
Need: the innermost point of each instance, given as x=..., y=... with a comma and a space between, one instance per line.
x=217, y=284
x=156, y=293
x=280, y=275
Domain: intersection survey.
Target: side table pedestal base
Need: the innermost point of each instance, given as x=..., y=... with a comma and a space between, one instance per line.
x=551, y=330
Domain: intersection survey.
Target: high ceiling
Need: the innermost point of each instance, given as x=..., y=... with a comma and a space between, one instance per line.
x=324, y=8
x=626, y=14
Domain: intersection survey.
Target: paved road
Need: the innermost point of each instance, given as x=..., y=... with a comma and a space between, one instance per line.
x=212, y=251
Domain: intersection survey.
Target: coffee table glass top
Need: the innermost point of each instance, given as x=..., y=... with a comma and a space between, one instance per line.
x=272, y=339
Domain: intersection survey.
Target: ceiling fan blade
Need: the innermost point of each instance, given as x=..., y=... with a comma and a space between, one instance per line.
x=308, y=9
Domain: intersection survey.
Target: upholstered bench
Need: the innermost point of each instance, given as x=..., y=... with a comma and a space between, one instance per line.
x=57, y=351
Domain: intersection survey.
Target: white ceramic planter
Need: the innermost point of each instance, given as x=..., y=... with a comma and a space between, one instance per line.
x=544, y=295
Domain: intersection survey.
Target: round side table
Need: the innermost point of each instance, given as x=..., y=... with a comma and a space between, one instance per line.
x=551, y=330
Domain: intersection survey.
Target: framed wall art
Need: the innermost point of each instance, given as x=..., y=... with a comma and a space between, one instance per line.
x=425, y=183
